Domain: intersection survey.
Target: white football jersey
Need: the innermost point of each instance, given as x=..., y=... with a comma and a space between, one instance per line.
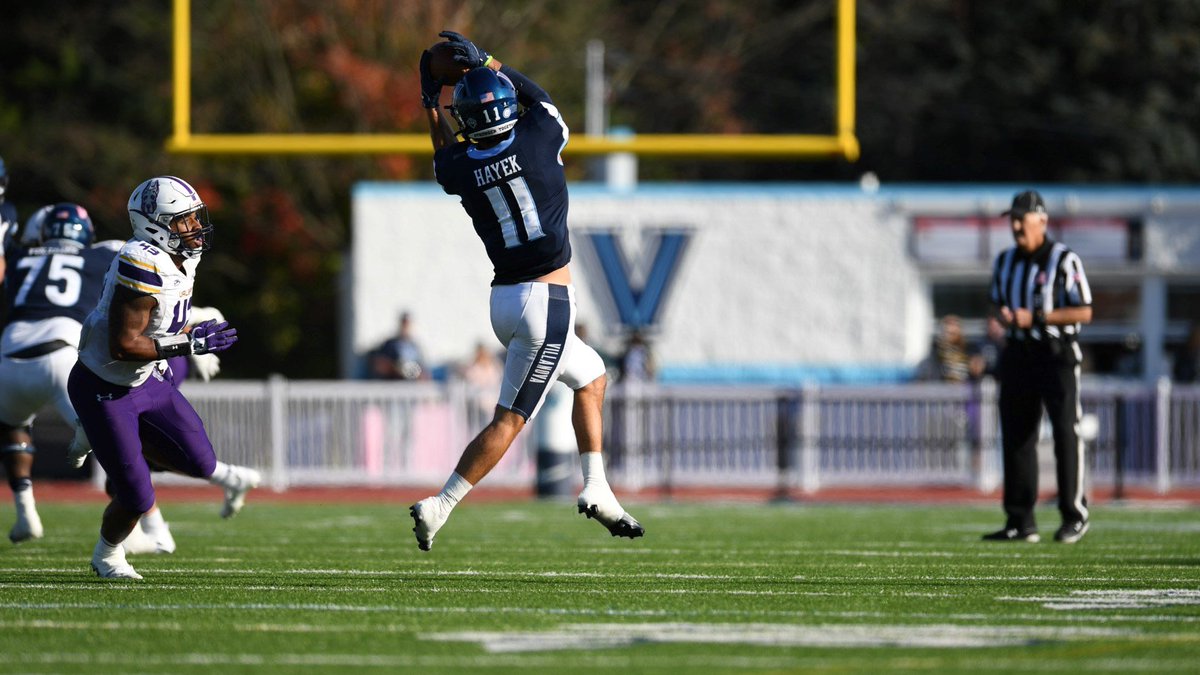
x=145, y=269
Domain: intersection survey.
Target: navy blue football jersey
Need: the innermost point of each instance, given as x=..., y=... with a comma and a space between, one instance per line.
x=9, y=232
x=8, y=214
x=515, y=194
x=10, y=229
x=44, y=282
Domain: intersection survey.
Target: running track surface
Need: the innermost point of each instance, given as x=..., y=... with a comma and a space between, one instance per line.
x=80, y=491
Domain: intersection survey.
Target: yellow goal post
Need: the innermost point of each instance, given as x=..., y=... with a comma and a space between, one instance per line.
x=843, y=143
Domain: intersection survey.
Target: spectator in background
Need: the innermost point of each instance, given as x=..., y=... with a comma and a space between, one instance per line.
x=483, y=374
x=986, y=354
x=399, y=357
x=1187, y=363
x=484, y=370
x=637, y=363
x=948, y=360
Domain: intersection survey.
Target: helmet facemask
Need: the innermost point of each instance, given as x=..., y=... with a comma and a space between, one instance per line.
x=177, y=242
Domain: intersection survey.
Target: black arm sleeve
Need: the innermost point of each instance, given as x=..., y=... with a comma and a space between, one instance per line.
x=528, y=92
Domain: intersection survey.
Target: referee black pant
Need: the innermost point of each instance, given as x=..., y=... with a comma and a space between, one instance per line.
x=1034, y=375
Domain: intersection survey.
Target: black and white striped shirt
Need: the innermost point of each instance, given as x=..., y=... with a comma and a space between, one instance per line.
x=1049, y=278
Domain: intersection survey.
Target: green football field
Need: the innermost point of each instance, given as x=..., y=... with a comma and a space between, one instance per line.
x=535, y=587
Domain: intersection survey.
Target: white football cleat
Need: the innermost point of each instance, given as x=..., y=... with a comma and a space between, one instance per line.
x=428, y=516
x=163, y=541
x=599, y=502
x=28, y=525
x=140, y=541
x=240, y=481
x=112, y=566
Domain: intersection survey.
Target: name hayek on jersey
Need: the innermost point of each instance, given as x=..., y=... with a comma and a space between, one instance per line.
x=545, y=364
x=490, y=173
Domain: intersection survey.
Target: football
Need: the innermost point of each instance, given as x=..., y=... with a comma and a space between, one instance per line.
x=442, y=65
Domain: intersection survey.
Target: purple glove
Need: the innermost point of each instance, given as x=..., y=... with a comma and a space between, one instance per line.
x=209, y=336
x=467, y=53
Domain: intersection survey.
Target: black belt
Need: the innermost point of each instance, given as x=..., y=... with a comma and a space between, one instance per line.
x=38, y=350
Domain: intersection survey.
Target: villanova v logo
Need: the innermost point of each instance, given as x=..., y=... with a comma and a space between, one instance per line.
x=639, y=308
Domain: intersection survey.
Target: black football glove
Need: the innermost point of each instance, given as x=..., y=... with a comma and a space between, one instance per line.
x=467, y=53
x=431, y=89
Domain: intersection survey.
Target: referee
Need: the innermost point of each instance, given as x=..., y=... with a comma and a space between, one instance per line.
x=1040, y=293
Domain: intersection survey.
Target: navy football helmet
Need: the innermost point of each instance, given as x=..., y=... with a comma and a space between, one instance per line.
x=3, y=179
x=67, y=223
x=484, y=105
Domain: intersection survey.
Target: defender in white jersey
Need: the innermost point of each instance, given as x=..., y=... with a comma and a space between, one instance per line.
x=121, y=388
x=509, y=176
x=147, y=270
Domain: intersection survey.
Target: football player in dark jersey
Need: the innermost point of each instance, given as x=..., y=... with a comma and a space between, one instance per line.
x=50, y=287
x=9, y=227
x=508, y=173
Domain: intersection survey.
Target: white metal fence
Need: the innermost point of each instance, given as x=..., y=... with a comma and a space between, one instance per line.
x=374, y=433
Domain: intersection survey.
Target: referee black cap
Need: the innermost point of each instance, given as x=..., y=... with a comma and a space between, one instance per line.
x=1028, y=201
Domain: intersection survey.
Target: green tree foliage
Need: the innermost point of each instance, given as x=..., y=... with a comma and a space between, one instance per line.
x=948, y=90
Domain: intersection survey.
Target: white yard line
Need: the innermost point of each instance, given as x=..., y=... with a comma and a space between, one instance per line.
x=150, y=585
x=562, y=663
x=1114, y=599
x=546, y=574
x=1070, y=619
x=174, y=627
x=549, y=663
x=552, y=574
x=597, y=636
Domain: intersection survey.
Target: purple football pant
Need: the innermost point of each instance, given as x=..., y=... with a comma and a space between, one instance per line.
x=178, y=368
x=113, y=417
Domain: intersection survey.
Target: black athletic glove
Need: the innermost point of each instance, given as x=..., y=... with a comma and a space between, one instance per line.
x=431, y=89
x=466, y=52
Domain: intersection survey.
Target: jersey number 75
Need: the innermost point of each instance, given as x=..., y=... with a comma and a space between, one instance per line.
x=62, y=268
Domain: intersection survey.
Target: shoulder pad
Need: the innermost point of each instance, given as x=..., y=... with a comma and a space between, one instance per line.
x=110, y=244
x=138, y=266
